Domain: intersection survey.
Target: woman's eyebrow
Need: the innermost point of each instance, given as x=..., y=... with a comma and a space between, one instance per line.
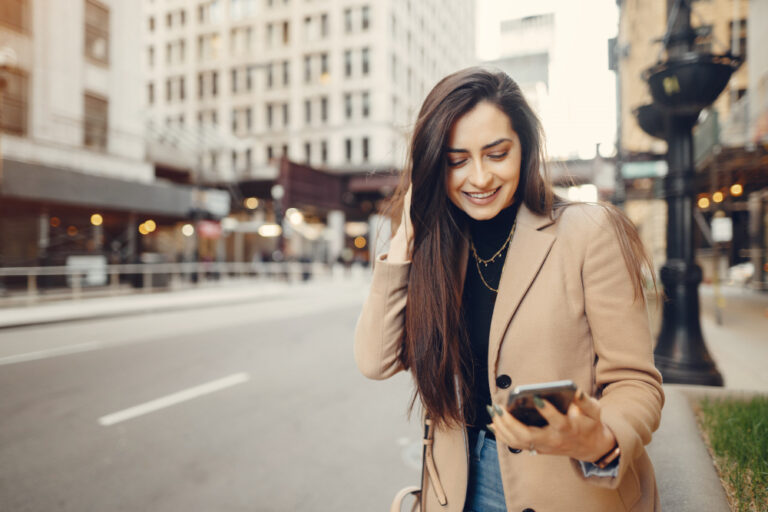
x=494, y=143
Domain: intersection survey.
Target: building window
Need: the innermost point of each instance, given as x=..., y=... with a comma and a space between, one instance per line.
x=151, y=23
x=96, y=32
x=740, y=26
x=168, y=20
x=214, y=83
x=324, y=25
x=285, y=114
x=168, y=90
x=200, y=85
x=14, y=102
x=150, y=93
x=307, y=111
x=151, y=56
x=366, y=17
x=96, y=122
x=366, y=60
x=307, y=153
x=323, y=64
x=286, y=33
x=183, y=17
x=347, y=20
x=285, y=150
x=324, y=109
x=234, y=160
x=348, y=150
x=307, y=69
x=270, y=35
x=365, y=149
x=248, y=159
x=234, y=80
x=366, y=101
x=347, y=63
x=182, y=92
x=270, y=76
x=248, y=79
x=324, y=152
x=270, y=153
x=347, y=106
x=286, y=72
x=234, y=121
x=249, y=119
x=269, y=115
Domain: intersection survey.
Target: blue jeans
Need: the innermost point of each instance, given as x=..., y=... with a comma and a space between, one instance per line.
x=484, y=491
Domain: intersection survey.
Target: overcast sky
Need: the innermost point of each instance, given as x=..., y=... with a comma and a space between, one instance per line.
x=582, y=89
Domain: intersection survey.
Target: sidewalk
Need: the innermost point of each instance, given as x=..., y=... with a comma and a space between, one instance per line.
x=685, y=473
x=218, y=293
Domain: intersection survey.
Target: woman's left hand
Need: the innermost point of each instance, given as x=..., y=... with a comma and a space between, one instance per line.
x=579, y=434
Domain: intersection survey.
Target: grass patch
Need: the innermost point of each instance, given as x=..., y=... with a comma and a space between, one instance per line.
x=736, y=432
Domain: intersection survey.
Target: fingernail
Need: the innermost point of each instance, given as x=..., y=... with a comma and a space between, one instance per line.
x=491, y=412
x=538, y=402
x=498, y=410
x=490, y=427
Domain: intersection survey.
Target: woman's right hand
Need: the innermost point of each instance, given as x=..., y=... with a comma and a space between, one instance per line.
x=401, y=245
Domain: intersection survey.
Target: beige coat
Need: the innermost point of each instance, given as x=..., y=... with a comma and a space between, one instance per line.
x=565, y=310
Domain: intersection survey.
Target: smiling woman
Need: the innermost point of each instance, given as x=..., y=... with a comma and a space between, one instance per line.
x=491, y=281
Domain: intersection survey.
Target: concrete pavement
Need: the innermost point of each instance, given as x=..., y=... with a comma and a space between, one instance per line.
x=687, y=478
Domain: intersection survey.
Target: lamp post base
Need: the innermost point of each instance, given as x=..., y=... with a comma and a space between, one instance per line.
x=681, y=354
x=676, y=372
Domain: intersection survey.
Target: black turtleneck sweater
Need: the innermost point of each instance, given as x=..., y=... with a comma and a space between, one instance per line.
x=478, y=302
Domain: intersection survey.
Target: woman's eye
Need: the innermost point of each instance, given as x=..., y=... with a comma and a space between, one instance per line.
x=498, y=156
x=456, y=163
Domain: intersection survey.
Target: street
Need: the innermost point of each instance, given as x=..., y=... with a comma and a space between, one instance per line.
x=255, y=405
x=261, y=408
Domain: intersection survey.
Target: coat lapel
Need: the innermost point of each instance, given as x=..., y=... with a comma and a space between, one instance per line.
x=527, y=251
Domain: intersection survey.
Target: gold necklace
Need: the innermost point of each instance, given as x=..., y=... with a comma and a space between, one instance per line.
x=479, y=260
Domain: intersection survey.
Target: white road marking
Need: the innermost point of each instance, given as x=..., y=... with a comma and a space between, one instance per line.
x=173, y=399
x=52, y=352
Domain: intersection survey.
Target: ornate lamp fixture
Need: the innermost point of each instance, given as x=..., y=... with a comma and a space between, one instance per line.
x=681, y=86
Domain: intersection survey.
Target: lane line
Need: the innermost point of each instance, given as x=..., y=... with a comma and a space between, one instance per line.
x=52, y=352
x=174, y=398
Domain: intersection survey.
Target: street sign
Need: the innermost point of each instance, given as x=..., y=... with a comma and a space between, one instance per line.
x=722, y=229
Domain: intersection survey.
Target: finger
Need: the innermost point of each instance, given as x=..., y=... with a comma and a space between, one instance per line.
x=549, y=412
x=588, y=405
x=513, y=426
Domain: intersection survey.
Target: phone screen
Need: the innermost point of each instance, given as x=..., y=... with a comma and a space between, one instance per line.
x=521, y=406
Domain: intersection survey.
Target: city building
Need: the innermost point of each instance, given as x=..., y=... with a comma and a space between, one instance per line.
x=75, y=181
x=730, y=151
x=333, y=85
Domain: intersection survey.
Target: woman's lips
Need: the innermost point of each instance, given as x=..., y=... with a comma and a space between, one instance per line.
x=481, y=200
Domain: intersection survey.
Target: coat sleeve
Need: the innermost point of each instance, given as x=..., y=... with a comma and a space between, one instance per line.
x=379, y=331
x=628, y=383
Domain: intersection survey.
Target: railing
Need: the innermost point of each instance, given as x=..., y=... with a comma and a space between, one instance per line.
x=177, y=274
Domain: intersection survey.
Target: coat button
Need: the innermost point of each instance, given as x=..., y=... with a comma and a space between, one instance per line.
x=503, y=381
x=514, y=450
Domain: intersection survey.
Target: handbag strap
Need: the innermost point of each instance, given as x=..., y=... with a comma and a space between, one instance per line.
x=428, y=464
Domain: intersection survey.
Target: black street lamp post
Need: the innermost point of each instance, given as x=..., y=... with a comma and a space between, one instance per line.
x=681, y=87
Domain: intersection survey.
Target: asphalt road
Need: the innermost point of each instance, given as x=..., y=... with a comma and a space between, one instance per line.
x=253, y=407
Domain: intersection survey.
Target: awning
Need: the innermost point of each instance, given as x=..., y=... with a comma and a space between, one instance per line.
x=35, y=182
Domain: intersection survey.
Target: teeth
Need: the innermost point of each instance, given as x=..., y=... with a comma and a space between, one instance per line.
x=482, y=195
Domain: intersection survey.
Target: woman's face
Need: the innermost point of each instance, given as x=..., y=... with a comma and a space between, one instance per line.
x=483, y=162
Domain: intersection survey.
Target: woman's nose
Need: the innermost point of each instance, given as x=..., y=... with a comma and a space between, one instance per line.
x=479, y=177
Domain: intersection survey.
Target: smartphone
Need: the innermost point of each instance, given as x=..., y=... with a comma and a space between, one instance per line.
x=520, y=403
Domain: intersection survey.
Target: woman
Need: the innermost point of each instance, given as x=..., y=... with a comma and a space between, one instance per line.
x=489, y=283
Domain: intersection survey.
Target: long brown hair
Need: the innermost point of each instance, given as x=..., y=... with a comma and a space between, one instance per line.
x=435, y=343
